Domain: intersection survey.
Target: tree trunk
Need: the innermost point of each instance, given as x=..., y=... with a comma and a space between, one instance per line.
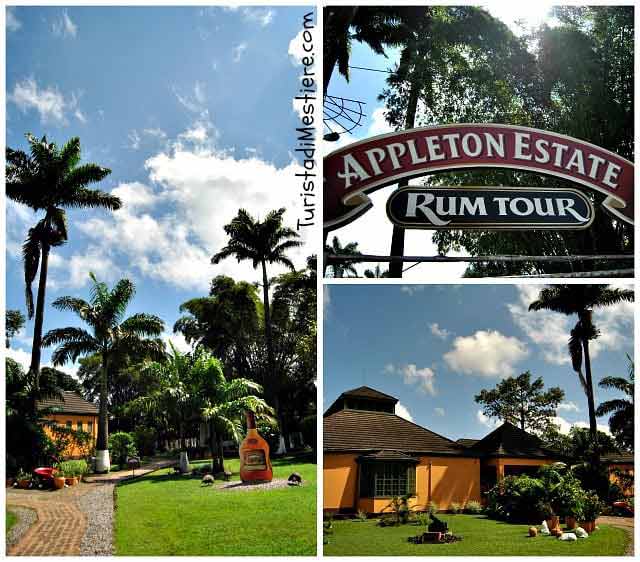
x=593, y=425
x=36, y=348
x=103, y=420
x=397, y=238
x=267, y=329
x=221, y=453
x=212, y=447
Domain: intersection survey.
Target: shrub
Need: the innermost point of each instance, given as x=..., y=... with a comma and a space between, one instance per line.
x=361, y=515
x=455, y=507
x=473, y=507
x=514, y=498
x=73, y=468
x=592, y=507
x=122, y=446
x=432, y=508
x=422, y=519
x=270, y=432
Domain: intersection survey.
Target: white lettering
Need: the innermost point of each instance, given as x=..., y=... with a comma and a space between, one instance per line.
x=352, y=169
x=513, y=206
x=541, y=148
x=522, y=143
x=376, y=156
x=433, y=148
x=450, y=138
x=495, y=145
x=566, y=205
x=477, y=207
x=611, y=174
x=595, y=164
x=502, y=205
x=415, y=159
x=576, y=161
x=477, y=142
x=396, y=151
x=413, y=206
x=560, y=150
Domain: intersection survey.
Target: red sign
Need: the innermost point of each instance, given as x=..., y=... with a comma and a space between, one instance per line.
x=352, y=172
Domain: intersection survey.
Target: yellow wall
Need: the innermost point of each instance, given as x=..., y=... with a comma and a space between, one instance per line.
x=452, y=480
x=61, y=419
x=624, y=467
x=501, y=462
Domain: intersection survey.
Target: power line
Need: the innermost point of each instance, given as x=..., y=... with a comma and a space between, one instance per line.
x=372, y=69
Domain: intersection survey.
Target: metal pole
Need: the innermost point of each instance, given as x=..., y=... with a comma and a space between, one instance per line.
x=449, y=259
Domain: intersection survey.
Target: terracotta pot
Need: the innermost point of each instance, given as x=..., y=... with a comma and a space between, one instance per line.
x=570, y=522
x=70, y=481
x=58, y=482
x=24, y=484
x=589, y=526
x=553, y=522
x=10, y=482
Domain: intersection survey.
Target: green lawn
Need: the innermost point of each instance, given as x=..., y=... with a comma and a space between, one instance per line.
x=160, y=515
x=12, y=519
x=481, y=537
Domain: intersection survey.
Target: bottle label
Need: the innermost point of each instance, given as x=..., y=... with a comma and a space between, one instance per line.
x=255, y=460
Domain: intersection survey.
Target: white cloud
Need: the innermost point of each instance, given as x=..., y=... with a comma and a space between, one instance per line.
x=178, y=341
x=73, y=272
x=194, y=101
x=326, y=301
x=80, y=116
x=198, y=133
x=439, y=412
x=550, y=330
x=261, y=16
x=403, y=412
x=565, y=426
x=486, y=354
x=63, y=26
x=146, y=136
x=412, y=289
x=487, y=421
x=439, y=332
x=296, y=49
x=20, y=356
x=423, y=378
x=379, y=124
x=12, y=22
x=48, y=102
x=568, y=407
x=169, y=229
x=238, y=51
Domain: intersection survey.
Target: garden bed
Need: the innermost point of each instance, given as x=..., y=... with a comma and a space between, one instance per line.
x=480, y=537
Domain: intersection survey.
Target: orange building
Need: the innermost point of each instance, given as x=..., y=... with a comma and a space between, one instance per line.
x=620, y=466
x=372, y=455
x=73, y=412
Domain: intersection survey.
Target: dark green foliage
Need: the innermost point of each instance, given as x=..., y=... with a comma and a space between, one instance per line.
x=521, y=402
x=516, y=499
x=621, y=420
x=14, y=322
x=122, y=446
x=342, y=268
x=145, y=440
x=309, y=429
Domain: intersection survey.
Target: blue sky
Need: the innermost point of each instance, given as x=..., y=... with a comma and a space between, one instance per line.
x=192, y=110
x=373, y=230
x=435, y=346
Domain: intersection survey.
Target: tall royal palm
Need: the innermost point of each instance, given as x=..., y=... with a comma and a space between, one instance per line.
x=111, y=337
x=582, y=300
x=50, y=179
x=341, y=267
x=261, y=242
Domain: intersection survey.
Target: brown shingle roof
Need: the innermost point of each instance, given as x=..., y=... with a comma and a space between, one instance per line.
x=368, y=392
x=618, y=458
x=71, y=403
x=511, y=441
x=386, y=455
x=360, y=430
x=467, y=442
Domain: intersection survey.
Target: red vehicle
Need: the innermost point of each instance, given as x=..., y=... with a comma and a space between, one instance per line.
x=44, y=476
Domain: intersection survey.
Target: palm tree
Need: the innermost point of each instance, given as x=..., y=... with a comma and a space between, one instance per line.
x=376, y=273
x=621, y=409
x=582, y=300
x=50, y=179
x=341, y=267
x=225, y=402
x=261, y=242
x=111, y=337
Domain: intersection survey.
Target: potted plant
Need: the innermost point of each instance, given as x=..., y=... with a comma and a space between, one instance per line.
x=549, y=515
x=591, y=510
x=24, y=479
x=58, y=479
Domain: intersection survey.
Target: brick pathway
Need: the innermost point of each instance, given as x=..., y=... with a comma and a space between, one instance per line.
x=61, y=524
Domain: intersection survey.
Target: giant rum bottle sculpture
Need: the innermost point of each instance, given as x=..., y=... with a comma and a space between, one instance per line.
x=255, y=465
